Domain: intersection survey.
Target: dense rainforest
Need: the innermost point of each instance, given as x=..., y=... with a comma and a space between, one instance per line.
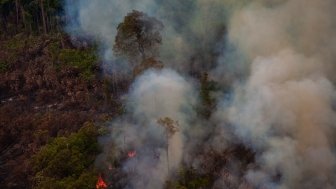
x=55, y=100
x=51, y=98
x=155, y=94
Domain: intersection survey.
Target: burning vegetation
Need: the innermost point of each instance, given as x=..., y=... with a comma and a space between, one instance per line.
x=101, y=183
x=223, y=110
x=131, y=154
x=206, y=94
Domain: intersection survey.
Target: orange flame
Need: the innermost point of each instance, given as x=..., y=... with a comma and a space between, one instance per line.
x=101, y=183
x=131, y=154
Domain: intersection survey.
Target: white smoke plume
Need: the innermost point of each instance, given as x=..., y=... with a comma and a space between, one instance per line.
x=277, y=56
x=154, y=95
x=285, y=109
x=192, y=35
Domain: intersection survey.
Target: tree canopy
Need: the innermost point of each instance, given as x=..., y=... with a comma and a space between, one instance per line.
x=138, y=37
x=31, y=16
x=67, y=161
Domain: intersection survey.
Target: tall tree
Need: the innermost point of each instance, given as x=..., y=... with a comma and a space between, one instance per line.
x=34, y=15
x=138, y=37
x=43, y=17
x=171, y=127
x=6, y=7
x=17, y=12
x=207, y=103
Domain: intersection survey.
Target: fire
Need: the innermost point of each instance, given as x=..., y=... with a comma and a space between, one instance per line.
x=131, y=154
x=101, y=183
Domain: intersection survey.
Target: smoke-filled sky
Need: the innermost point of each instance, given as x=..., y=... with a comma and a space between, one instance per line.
x=277, y=56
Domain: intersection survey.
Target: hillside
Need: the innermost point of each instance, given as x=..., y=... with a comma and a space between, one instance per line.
x=48, y=89
x=153, y=94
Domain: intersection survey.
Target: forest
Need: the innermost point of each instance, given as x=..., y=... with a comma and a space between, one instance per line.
x=154, y=94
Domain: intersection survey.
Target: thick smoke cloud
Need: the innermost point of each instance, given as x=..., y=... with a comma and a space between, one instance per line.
x=285, y=113
x=285, y=108
x=154, y=95
x=278, y=58
x=192, y=35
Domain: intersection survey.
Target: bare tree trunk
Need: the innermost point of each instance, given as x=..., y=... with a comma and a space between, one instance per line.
x=4, y=23
x=43, y=17
x=17, y=14
x=23, y=17
x=47, y=20
x=167, y=135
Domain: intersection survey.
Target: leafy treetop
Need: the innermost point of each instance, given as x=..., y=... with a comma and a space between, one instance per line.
x=138, y=37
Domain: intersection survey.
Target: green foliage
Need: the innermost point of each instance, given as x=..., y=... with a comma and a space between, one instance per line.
x=138, y=36
x=20, y=42
x=66, y=162
x=86, y=180
x=207, y=101
x=84, y=60
x=29, y=16
x=16, y=45
x=2, y=2
x=189, y=179
x=3, y=66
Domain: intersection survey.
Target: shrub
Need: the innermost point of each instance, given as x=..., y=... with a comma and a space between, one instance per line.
x=84, y=60
x=188, y=178
x=67, y=162
x=3, y=66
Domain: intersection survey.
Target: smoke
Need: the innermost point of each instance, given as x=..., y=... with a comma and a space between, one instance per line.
x=192, y=35
x=285, y=108
x=285, y=113
x=278, y=58
x=154, y=95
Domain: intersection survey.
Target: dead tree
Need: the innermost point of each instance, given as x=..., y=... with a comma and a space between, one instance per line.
x=171, y=127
